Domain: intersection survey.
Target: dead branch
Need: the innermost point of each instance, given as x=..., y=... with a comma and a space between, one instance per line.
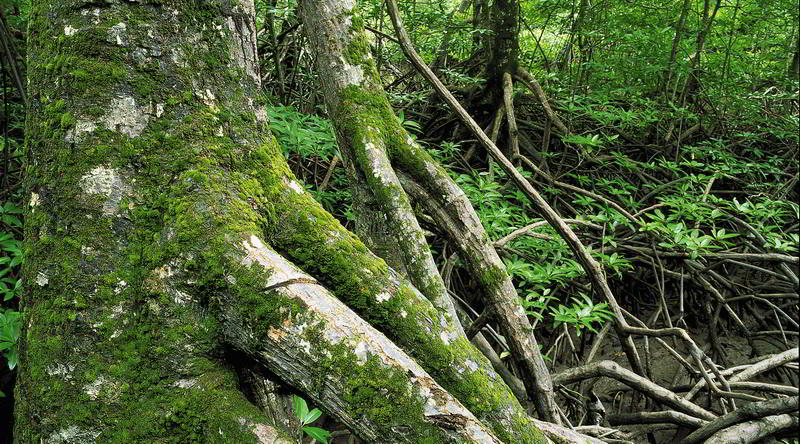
x=755, y=430
x=613, y=370
x=755, y=410
x=752, y=370
x=668, y=416
x=528, y=80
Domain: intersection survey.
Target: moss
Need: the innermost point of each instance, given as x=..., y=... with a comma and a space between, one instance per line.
x=67, y=120
x=381, y=394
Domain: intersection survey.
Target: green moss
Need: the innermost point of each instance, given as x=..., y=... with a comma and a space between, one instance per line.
x=67, y=120
x=381, y=394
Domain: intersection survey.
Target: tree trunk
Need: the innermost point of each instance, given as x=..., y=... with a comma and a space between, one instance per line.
x=676, y=41
x=371, y=137
x=498, y=50
x=793, y=68
x=692, y=81
x=157, y=200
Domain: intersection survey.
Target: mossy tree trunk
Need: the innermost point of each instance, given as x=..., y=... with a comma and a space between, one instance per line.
x=162, y=221
x=374, y=145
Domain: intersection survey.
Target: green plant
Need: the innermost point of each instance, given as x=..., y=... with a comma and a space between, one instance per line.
x=536, y=303
x=10, y=323
x=411, y=126
x=308, y=142
x=11, y=249
x=583, y=313
x=11, y=256
x=307, y=417
x=302, y=135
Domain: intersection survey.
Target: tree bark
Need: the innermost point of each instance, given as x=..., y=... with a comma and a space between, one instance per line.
x=126, y=133
x=676, y=41
x=793, y=68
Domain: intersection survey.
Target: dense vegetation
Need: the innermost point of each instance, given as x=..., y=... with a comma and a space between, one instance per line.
x=669, y=141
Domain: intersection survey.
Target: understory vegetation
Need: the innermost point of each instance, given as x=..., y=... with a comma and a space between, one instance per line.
x=666, y=136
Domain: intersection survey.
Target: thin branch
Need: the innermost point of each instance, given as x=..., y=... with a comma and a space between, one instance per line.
x=589, y=264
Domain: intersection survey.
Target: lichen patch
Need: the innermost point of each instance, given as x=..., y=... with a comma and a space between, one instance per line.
x=261, y=115
x=351, y=74
x=361, y=352
x=93, y=389
x=34, y=201
x=107, y=182
x=207, y=97
x=95, y=13
x=41, y=279
x=61, y=370
x=126, y=117
x=75, y=134
x=296, y=187
x=184, y=383
x=119, y=34
x=72, y=435
x=264, y=433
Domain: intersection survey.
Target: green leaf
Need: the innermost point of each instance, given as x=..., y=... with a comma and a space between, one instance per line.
x=300, y=407
x=312, y=416
x=317, y=433
x=13, y=359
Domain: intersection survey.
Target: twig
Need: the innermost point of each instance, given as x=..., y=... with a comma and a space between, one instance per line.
x=752, y=370
x=508, y=101
x=580, y=190
x=526, y=230
x=528, y=80
x=668, y=416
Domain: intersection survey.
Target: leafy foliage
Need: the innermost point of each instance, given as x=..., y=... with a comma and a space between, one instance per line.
x=306, y=417
x=310, y=146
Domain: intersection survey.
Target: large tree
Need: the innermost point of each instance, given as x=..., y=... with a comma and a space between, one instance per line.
x=170, y=247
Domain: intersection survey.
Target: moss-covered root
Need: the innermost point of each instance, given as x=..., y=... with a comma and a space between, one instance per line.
x=433, y=188
x=342, y=54
x=306, y=336
x=369, y=131
x=302, y=231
